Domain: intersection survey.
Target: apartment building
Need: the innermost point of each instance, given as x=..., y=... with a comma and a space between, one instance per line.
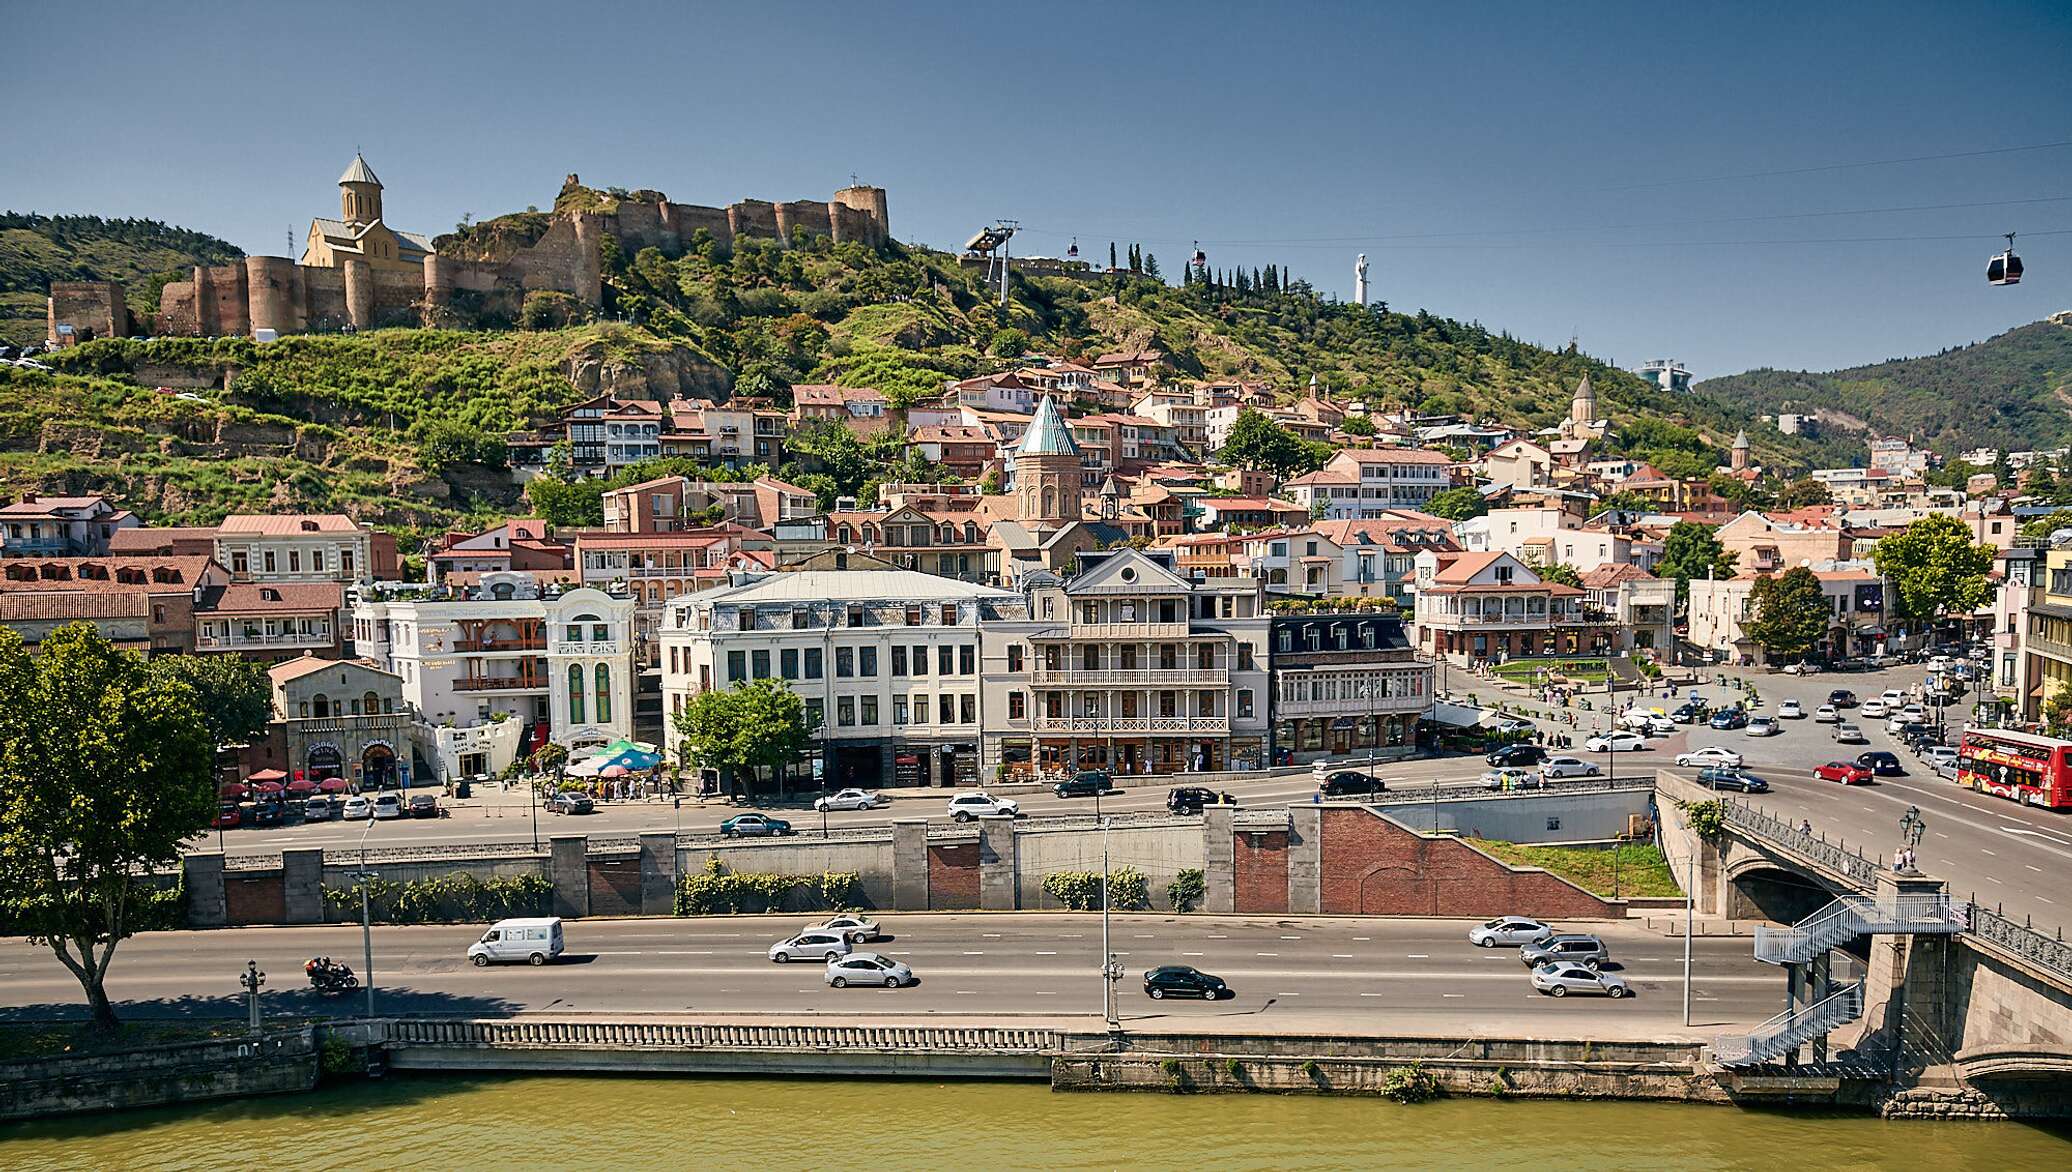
x=1855, y=596
x=269, y=622
x=1344, y=684
x=522, y=544
x=61, y=526
x=339, y=718
x=1642, y=606
x=143, y=603
x=1379, y=555
x=885, y=661
x=1369, y=482
x=321, y=547
x=731, y=436
x=1493, y=606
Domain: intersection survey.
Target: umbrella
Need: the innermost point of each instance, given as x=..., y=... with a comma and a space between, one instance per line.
x=269, y=787
x=233, y=790
x=334, y=785
x=268, y=775
x=302, y=786
x=614, y=771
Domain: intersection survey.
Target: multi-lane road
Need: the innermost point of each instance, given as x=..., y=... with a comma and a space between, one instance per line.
x=1407, y=975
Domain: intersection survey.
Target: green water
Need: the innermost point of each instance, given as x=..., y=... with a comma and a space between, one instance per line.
x=590, y=1122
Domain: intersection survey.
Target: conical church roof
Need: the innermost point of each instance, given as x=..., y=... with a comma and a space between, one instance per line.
x=359, y=172
x=1047, y=434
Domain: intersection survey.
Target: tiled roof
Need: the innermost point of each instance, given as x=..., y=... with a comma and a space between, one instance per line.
x=1613, y=573
x=1396, y=456
x=1047, y=434
x=65, y=606
x=1466, y=566
x=147, y=541
x=162, y=575
x=285, y=524
x=272, y=597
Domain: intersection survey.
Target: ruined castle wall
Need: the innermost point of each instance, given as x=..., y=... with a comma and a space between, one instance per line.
x=396, y=296
x=221, y=304
x=94, y=309
x=565, y=259
x=870, y=201
x=686, y=219
x=846, y=223
x=803, y=213
x=752, y=217
x=639, y=225
x=328, y=295
x=276, y=294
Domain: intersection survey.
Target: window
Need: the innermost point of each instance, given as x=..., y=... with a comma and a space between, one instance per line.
x=845, y=711
x=1244, y=702
x=816, y=713
x=870, y=710
x=867, y=661
x=370, y=703
x=1014, y=657
x=576, y=714
x=967, y=709
x=759, y=664
x=845, y=662
x=813, y=663
x=1017, y=706
x=238, y=564
x=1244, y=657
x=294, y=561
x=855, y=616
x=1205, y=656
x=913, y=616
x=316, y=560
x=949, y=614
x=737, y=666
x=604, y=690
x=269, y=561
x=920, y=708
x=1205, y=704
x=920, y=661
x=944, y=657
x=967, y=659
x=899, y=710
x=945, y=709
x=1090, y=657
x=898, y=660
x=788, y=663
x=323, y=705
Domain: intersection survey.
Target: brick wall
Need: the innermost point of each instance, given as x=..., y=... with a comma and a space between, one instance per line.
x=255, y=899
x=615, y=885
x=953, y=877
x=1259, y=860
x=1371, y=866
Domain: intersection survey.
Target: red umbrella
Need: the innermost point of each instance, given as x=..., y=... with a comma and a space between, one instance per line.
x=269, y=787
x=334, y=785
x=268, y=775
x=614, y=771
x=302, y=786
x=233, y=790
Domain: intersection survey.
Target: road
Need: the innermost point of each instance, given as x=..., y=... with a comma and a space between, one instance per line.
x=1408, y=975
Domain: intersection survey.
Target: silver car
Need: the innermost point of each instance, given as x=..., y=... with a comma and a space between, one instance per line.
x=1848, y=734
x=1509, y=931
x=1572, y=949
x=1560, y=979
x=810, y=945
x=1558, y=767
x=868, y=968
x=854, y=927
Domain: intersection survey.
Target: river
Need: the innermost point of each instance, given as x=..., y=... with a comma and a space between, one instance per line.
x=638, y=1122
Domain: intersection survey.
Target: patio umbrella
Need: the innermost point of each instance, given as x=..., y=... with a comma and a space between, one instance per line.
x=233, y=790
x=302, y=786
x=334, y=785
x=269, y=787
x=267, y=775
x=613, y=771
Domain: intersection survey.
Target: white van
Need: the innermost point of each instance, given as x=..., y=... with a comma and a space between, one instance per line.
x=535, y=941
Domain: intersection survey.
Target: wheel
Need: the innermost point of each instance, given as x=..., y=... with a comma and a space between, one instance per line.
x=830, y=955
x=892, y=982
x=840, y=982
x=1156, y=994
x=1559, y=990
x=961, y=816
x=782, y=958
x=1592, y=964
x=481, y=960
x=1616, y=992
x=536, y=959
x=1487, y=942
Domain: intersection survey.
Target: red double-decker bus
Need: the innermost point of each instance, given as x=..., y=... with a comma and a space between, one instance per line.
x=2029, y=768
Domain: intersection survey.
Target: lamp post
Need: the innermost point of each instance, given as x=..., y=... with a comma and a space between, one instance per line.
x=1111, y=970
x=1690, y=909
x=251, y=980
x=364, y=878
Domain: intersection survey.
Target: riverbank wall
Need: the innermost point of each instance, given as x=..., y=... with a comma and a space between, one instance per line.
x=278, y=1063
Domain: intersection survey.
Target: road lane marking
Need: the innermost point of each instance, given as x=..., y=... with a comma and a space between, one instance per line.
x=1453, y=994
x=1145, y=936
x=1045, y=993
x=1046, y=954
x=1266, y=954
x=1363, y=937
x=974, y=954
x=2046, y=899
x=1215, y=936
x=1291, y=937
x=990, y=935
x=1419, y=956
x=1940, y=834
x=1190, y=954
x=1341, y=956
x=2033, y=867
x=1370, y=994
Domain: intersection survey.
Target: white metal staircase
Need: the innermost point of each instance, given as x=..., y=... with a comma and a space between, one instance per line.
x=1921, y=913
x=1791, y=1029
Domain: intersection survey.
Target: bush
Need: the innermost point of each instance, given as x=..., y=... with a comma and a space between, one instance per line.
x=1185, y=892
x=1080, y=891
x=456, y=897
x=337, y=1057
x=715, y=890
x=1410, y=1084
x=548, y=309
x=1708, y=820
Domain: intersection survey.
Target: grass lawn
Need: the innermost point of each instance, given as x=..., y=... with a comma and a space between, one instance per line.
x=1525, y=671
x=1641, y=869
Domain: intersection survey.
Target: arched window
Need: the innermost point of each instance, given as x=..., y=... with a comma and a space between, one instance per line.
x=1050, y=501
x=604, y=694
x=575, y=694
x=575, y=627
x=323, y=705
x=370, y=704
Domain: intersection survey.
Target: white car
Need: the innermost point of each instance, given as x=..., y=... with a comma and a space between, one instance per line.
x=1846, y=733
x=1935, y=755
x=1710, y=755
x=849, y=799
x=1893, y=697
x=1826, y=714
x=1938, y=664
x=1557, y=767
x=810, y=945
x=868, y=968
x=1512, y=724
x=1875, y=708
x=357, y=806
x=854, y=927
x=1791, y=710
x=1510, y=779
x=388, y=806
x=1509, y=931
x=1913, y=712
x=1762, y=726
x=1616, y=742
x=1638, y=719
x=978, y=804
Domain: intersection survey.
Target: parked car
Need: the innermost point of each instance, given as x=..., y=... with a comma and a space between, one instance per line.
x=1639, y=719
x=1510, y=779
x=1577, y=948
x=1559, y=767
x=319, y=810
x=1791, y=710
x=978, y=803
x=1881, y=763
x=1709, y=755
x=1846, y=733
x=1515, y=756
x=1842, y=698
x=1874, y=708
x=227, y=817
x=1347, y=781
x=387, y=805
x=1826, y=714
x=1934, y=755
x=1180, y=980
x=571, y=802
x=1728, y=777
x=1559, y=980
x=1802, y=668
x=1846, y=772
x=269, y=812
x=1508, y=931
x=1512, y=726
x=810, y=945
x=424, y=806
x=868, y=968
x=849, y=924
x=1616, y=742
x=849, y=799
x=1688, y=713
x=356, y=807
x=1085, y=783
x=1763, y=726
x=1728, y=719
x=754, y=826
x=1946, y=769
x=1189, y=799
x=1912, y=713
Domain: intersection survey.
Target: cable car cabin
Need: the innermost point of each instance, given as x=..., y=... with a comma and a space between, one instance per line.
x=2005, y=269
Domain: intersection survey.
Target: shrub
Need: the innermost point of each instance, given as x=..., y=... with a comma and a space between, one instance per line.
x=1185, y=892
x=1708, y=820
x=1080, y=891
x=459, y=896
x=1410, y=1084
x=337, y=1057
x=715, y=890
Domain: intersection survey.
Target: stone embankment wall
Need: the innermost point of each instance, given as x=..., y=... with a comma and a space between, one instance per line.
x=278, y=1063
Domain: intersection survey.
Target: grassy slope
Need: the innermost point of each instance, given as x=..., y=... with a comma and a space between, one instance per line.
x=1641, y=870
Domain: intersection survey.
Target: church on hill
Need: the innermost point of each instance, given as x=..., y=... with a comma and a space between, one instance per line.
x=359, y=233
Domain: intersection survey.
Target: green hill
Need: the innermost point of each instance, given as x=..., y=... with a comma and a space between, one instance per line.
x=2011, y=391
x=143, y=254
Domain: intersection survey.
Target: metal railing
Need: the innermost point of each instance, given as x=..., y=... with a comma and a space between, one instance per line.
x=1098, y=677
x=1911, y=913
x=637, y=1035
x=2021, y=939
x=1835, y=857
x=1132, y=724
x=1789, y=1030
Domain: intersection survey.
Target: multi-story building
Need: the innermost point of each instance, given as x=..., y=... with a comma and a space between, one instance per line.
x=1181, y=411
x=1492, y=606
x=1643, y=606
x=320, y=547
x=733, y=436
x=1346, y=683
x=1369, y=482
x=2022, y=576
x=1300, y=562
x=1379, y=554
x=268, y=622
x=61, y=526
x=503, y=656
x=1131, y=667
x=886, y=662
x=825, y=401
x=522, y=544
x=607, y=433
x=341, y=718
x=143, y=603
x=1718, y=608
x=1552, y=536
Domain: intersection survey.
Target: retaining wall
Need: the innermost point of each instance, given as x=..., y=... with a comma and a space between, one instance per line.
x=276, y=1064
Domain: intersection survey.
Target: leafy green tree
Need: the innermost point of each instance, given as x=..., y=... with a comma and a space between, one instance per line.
x=1357, y=425
x=753, y=726
x=2037, y=532
x=235, y=696
x=550, y=757
x=1151, y=267
x=1934, y=567
x=1803, y=492
x=1788, y=615
x=1560, y=572
x=1457, y=504
x=1692, y=550
x=1009, y=343
x=1257, y=442
x=2057, y=710
x=106, y=767
x=566, y=503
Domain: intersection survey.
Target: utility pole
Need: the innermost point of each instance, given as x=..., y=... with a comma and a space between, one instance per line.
x=365, y=879
x=252, y=979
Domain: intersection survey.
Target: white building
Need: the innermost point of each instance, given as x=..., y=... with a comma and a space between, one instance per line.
x=886, y=662
x=320, y=547
x=1369, y=482
x=507, y=651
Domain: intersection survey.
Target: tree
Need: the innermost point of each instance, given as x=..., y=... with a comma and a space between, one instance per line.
x=235, y=696
x=759, y=725
x=1692, y=550
x=1560, y=572
x=566, y=503
x=548, y=758
x=105, y=769
x=1356, y=425
x=1803, y=492
x=2057, y=710
x=1934, y=567
x=2037, y=532
x=1788, y=615
x=1111, y=255
x=1457, y=504
x=1257, y=442
x=1151, y=267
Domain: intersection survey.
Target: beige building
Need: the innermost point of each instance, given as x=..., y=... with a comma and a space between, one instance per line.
x=342, y=718
x=320, y=547
x=359, y=234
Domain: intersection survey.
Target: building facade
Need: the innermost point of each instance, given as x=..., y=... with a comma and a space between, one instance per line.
x=1346, y=684
x=1493, y=606
x=342, y=718
x=324, y=547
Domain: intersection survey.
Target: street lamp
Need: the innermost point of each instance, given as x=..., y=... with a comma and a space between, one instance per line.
x=365, y=878
x=1111, y=969
x=251, y=980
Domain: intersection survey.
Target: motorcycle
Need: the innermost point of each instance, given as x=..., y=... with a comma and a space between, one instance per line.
x=328, y=977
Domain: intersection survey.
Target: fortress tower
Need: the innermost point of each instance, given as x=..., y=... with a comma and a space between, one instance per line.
x=359, y=194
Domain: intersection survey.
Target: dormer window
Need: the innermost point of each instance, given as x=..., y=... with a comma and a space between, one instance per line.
x=309, y=526
x=269, y=594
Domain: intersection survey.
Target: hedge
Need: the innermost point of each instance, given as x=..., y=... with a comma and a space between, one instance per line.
x=459, y=896
x=1080, y=891
x=715, y=890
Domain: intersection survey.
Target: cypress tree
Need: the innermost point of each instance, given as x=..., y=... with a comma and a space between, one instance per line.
x=1111, y=254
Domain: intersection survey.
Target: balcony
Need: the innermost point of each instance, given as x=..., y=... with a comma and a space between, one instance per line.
x=1129, y=632
x=241, y=640
x=589, y=647
x=1113, y=725
x=1378, y=706
x=519, y=683
x=1079, y=677
x=527, y=643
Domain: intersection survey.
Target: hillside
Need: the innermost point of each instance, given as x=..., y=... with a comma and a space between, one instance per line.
x=36, y=250
x=2010, y=391
x=404, y=427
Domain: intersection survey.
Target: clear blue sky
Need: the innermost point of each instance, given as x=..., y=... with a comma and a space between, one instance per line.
x=1299, y=134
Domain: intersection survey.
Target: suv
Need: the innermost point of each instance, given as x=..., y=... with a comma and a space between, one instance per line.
x=1189, y=799
x=1516, y=756
x=1345, y=781
x=978, y=804
x=1574, y=949
x=1085, y=783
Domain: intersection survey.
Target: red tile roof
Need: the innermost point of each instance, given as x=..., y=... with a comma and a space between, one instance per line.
x=273, y=597
x=285, y=524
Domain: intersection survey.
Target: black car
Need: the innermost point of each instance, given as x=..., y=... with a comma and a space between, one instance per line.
x=1730, y=718
x=1348, y=782
x=423, y=806
x=1725, y=777
x=1189, y=799
x=1517, y=756
x=570, y=802
x=1842, y=698
x=1179, y=980
x=1880, y=762
x=1085, y=783
x=268, y=812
